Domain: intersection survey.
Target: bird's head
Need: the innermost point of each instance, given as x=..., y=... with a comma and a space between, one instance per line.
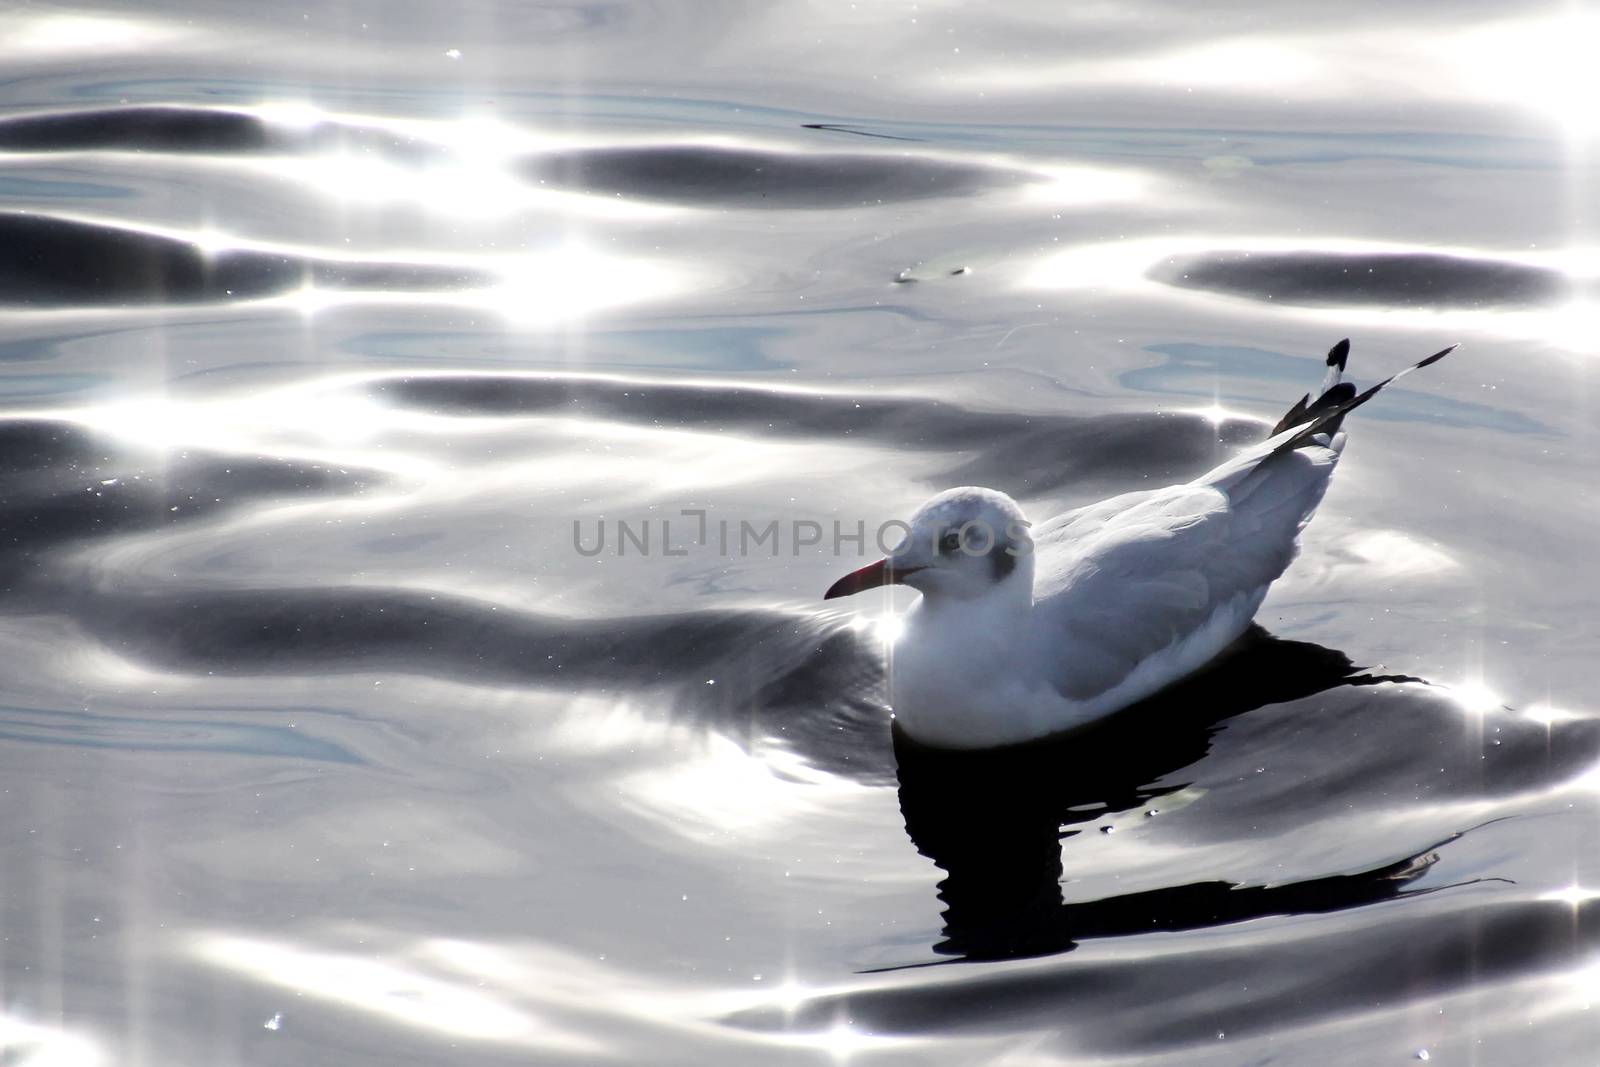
x=962, y=544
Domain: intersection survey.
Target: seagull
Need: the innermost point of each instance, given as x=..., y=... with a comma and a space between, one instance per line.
x=1026, y=631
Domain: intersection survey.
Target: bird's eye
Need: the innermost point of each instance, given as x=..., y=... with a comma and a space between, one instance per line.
x=949, y=543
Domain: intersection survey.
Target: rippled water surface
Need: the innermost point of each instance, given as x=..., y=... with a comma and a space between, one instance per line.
x=333, y=336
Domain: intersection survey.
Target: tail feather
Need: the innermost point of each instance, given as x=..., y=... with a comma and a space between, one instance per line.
x=1328, y=420
x=1293, y=417
x=1309, y=422
x=1336, y=360
x=1305, y=408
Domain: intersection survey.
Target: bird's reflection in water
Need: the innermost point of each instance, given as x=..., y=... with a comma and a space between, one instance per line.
x=994, y=820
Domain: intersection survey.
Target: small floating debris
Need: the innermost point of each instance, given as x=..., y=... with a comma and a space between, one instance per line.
x=1108, y=829
x=274, y=1023
x=452, y=53
x=904, y=278
x=1422, y=1054
x=961, y=270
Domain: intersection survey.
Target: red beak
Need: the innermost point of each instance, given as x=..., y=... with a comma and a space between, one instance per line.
x=869, y=577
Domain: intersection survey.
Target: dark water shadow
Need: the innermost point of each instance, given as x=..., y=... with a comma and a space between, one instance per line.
x=1021, y=454
x=993, y=820
x=62, y=487
x=61, y=484
x=147, y=128
x=1388, y=279
x=62, y=263
x=202, y=131
x=808, y=683
x=995, y=823
x=747, y=177
x=1125, y=1007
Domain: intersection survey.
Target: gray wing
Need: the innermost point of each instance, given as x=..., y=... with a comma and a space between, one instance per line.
x=1121, y=580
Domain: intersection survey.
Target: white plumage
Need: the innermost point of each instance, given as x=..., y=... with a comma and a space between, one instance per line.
x=1023, y=631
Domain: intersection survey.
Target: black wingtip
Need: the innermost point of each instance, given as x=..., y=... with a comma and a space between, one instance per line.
x=1292, y=416
x=1329, y=420
x=1437, y=356
x=1339, y=353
